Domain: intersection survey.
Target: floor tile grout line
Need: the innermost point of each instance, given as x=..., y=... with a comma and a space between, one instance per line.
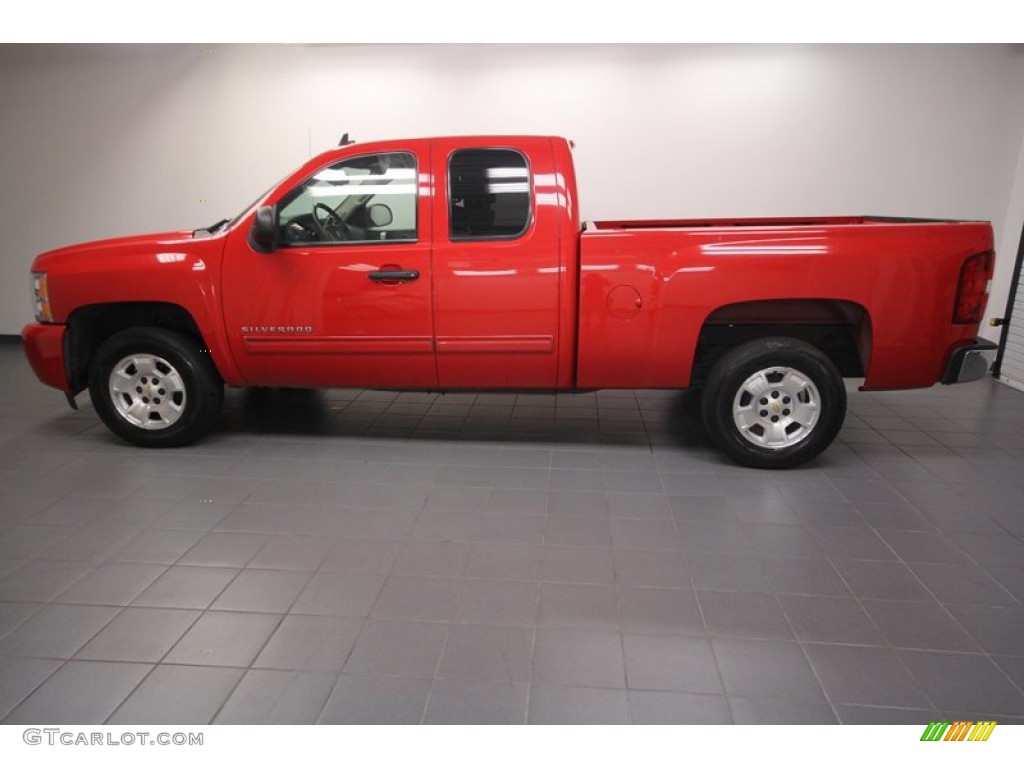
x=714, y=653
x=807, y=659
x=283, y=617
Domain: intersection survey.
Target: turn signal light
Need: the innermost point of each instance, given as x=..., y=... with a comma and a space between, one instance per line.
x=41, y=298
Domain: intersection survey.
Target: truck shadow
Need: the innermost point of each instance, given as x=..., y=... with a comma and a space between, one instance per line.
x=281, y=410
x=669, y=419
x=686, y=425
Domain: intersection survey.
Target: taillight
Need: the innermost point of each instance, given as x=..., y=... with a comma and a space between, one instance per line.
x=972, y=290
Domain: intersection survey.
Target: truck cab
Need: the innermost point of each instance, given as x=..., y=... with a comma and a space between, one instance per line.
x=441, y=264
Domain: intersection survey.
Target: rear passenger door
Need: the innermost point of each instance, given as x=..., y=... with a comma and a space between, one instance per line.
x=496, y=264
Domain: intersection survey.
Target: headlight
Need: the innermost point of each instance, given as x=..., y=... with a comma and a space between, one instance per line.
x=41, y=298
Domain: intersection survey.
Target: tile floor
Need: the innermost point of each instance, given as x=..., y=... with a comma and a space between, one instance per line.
x=363, y=557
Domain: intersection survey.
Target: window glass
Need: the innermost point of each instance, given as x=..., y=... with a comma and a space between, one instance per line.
x=489, y=192
x=366, y=199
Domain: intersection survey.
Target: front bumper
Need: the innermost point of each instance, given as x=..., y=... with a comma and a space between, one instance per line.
x=44, y=348
x=970, y=362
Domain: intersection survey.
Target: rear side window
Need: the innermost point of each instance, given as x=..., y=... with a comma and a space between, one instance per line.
x=489, y=194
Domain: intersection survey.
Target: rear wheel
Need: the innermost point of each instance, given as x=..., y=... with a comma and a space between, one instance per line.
x=154, y=388
x=773, y=403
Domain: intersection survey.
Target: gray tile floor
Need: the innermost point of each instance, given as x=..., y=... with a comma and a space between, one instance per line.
x=362, y=557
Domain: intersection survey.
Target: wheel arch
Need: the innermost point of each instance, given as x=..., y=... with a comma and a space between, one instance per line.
x=840, y=329
x=91, y=325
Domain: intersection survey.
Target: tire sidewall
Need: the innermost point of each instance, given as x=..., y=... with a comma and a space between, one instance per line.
x=738, y=365
x=202, y=391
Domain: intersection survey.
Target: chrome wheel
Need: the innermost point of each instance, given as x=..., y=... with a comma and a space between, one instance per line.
x=147, y=391
x=776, y=408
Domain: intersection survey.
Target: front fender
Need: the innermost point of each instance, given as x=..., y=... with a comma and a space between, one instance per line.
x=183, y=272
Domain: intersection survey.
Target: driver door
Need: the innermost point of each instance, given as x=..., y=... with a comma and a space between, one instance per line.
x=345, y=298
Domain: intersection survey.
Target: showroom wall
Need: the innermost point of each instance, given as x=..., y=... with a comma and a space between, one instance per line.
x=110, y=140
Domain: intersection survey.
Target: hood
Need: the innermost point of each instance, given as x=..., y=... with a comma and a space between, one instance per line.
x=118, y=246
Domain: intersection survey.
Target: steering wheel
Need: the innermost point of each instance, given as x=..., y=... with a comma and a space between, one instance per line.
x=332, y=227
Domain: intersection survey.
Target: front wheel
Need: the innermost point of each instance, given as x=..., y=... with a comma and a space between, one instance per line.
x=773, y=403
x=154, y=388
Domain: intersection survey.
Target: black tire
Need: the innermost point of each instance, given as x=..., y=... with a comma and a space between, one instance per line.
x=179, y=409
x=787, y=425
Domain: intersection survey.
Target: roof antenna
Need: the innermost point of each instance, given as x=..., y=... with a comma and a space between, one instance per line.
x=345, y=140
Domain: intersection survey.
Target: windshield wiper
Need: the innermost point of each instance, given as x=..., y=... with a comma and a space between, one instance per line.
x=211, y=229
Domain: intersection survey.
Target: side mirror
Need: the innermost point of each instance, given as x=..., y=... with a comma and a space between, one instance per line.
x=263, y=235
x=380, y=215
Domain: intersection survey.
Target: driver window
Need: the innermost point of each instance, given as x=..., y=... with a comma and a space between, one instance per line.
x=366, y=199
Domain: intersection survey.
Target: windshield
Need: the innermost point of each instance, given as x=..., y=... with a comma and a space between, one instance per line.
x=250, y=206
x=228, y=223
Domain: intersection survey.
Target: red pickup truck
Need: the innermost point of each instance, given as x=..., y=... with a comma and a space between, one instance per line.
x=461, y=264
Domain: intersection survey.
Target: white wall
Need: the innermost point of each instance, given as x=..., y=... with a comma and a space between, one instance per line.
x=1012, y=228
x=109, y=140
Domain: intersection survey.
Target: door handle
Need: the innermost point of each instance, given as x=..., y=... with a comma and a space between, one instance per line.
x=393, y=275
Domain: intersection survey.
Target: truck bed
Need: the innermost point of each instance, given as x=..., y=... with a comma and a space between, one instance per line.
x=649, y=290
x=770, y=221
